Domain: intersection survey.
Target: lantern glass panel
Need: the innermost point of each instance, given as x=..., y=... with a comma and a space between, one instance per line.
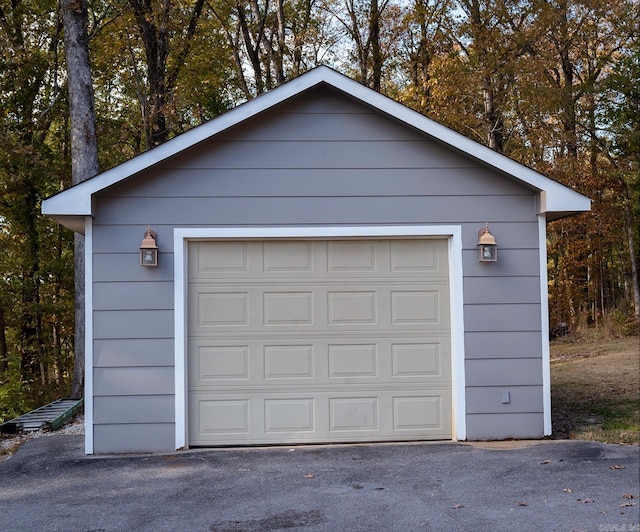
x=149, y=257
x=487, y=252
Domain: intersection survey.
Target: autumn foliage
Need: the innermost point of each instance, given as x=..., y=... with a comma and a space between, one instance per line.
x=550, y=83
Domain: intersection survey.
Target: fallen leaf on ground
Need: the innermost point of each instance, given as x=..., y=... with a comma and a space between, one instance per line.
x=521, y=503
x=566, y=490
x=616, y=467
x=310, y=475
x=629, y=496
x=457, y=506
x=627, y=504
x=546, y=462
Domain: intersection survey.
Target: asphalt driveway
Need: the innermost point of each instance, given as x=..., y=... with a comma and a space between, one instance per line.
x=49, y=484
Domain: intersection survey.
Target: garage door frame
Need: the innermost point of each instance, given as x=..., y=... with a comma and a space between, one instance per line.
x=182, y=236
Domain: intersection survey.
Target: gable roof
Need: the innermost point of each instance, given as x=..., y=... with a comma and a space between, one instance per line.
x=556, y=200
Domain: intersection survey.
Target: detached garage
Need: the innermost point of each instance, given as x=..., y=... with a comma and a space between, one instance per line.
x=310, y=273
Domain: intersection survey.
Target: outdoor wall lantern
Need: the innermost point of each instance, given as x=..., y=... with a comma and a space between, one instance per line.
x=487, y=246
x=149, y=249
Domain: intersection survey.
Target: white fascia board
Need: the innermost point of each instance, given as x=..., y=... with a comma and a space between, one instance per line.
x=74, y=201
x=77, y=200
x=559, y=198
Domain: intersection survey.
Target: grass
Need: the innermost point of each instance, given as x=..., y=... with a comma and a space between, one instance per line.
x=595, y=389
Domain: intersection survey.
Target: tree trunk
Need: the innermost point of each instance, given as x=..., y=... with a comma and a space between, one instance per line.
x=628, y=226
x=568, y=96
x=84, y=149
x=156, y=47
x=4, y=362
x=492, y=117
x=299, y=39
x=252, y=47
x=377, y=59
x=280, y=75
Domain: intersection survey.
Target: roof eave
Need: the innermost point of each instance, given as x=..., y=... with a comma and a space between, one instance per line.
x=563, y=203
x=71, y=202
x=75, y=223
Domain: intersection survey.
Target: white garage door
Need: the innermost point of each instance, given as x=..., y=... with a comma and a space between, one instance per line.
x=318, y=341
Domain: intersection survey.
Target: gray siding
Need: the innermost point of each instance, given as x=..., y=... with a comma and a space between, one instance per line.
x=138, y=409
x=319, y=159
x=143, y=352
x=133, y=324
x=506, y=425
x=133, y=381
x=303, y=182
x=312, y=210
x=133, y=437
x=525, y=399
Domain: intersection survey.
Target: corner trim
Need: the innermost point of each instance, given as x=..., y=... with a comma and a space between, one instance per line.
x=544, y=325
x=88, y=335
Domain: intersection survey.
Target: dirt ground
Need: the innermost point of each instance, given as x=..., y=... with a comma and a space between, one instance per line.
x=595, y=389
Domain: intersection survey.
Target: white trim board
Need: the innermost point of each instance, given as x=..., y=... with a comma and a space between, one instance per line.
x=544, y=325
x=88, y=336
x=453, y=233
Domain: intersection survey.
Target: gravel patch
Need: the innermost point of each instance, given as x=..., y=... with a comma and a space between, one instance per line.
x=9, y=443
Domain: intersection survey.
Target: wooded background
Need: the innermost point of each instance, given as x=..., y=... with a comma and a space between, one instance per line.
x=554, y=84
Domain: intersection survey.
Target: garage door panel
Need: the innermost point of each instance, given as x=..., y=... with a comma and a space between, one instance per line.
x=220, y=309
x=406, y=257
x=289, y=362
x=416, y=307
x=288, y=308
x=322, y=417
x=326, y=307
x=353, y=361
x=219, y=260
x=222, y=416
x=354, y=414
x=288, y=258
x=289, y=415
x=376, y=360
x=219, y=362
x=417, y=413
x=352, y=307
x=278, y=260
x=318, y=341
x=419, y=360
x=352, y=256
